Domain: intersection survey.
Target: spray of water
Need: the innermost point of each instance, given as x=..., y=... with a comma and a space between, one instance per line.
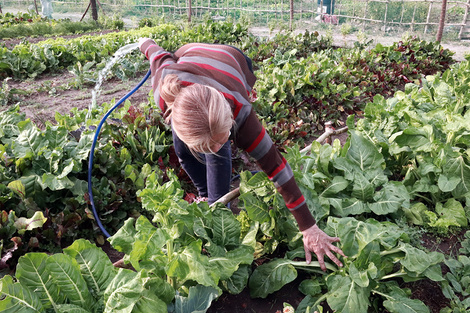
x=119, y=55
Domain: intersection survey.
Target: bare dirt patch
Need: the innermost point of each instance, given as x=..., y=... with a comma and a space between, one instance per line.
x=41, y=98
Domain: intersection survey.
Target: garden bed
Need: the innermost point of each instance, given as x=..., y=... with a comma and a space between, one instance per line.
x=50, y=93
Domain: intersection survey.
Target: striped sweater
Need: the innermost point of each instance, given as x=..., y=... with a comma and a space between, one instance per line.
x=225, y=69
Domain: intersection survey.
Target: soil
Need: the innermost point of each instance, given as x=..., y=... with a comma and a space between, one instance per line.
x=41, y=98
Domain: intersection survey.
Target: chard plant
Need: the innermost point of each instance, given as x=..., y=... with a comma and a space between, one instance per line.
x=83, y=279
x=422, y=133
x=456, y=286
x=378, y=253
x=42, y=172
x=298, y=90
x=190, y=244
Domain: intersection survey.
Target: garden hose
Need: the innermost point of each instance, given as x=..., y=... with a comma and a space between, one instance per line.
x=95, y=139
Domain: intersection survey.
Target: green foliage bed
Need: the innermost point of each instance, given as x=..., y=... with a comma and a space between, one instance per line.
x=404, y=170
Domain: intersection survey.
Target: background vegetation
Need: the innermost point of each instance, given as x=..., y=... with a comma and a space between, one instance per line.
x=389, y=17
x=404, y=171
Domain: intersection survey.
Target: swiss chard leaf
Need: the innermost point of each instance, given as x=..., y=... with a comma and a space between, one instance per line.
x=346, y=296
x=95, y=266
x=32, y=273
x=18, y=299
x=198, y=301
x=397, y=301
x=65, y=273
x=127, y=292
x=271, y=277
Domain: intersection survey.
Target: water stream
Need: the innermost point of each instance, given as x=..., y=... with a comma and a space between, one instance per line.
x=118, y=55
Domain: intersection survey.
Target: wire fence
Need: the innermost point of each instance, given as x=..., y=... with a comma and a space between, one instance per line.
x=385, y=15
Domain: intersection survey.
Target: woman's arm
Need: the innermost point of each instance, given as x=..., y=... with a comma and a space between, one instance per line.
x=253, y=138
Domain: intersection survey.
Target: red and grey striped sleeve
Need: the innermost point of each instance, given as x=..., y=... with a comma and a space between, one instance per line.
x=253, y=138
x=159, y=58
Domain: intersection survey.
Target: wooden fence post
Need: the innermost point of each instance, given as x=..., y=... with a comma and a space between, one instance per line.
x=291, y=15
x=441, y=21
x=35, y=5
x=427, y=18
x=465, y=28
x=282, y=11
x=365, y=16
x=94, y=10
x=189, y=11
x=385, y=17
x=413, y=19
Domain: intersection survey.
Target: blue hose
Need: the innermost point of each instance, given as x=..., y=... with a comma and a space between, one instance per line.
x=95, y=139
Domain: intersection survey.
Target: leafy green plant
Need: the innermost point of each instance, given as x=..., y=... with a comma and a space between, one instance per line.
x=422, y=134
x=42, y=171
x=191, y=245
x=30, y=60
x=81, y=279
x=264, y=213
x=456, y=287
x=83, y=74
x=378, y=253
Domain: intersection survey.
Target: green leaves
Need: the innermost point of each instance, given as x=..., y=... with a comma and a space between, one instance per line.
x=397, y=300
x=30, y=60
x=17, y=298
x=191, y=245
x=271, y=277
x=61, y=282
x=23, y=224
x=94, y=267
x=354, y=181
x=198, y=301
x=346, y=296
x=33, y=274
x=457, y=171
x=133, y=292
x=65, y=273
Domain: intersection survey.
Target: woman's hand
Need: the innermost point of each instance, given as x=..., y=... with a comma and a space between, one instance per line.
x=317, y=241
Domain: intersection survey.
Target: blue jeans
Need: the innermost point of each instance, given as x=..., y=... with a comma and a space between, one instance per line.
x=212, y=174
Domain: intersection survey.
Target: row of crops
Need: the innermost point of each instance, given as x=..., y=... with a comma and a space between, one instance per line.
x=404, y=171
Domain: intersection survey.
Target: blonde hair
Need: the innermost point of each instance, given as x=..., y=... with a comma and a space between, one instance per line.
x=196, y=112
